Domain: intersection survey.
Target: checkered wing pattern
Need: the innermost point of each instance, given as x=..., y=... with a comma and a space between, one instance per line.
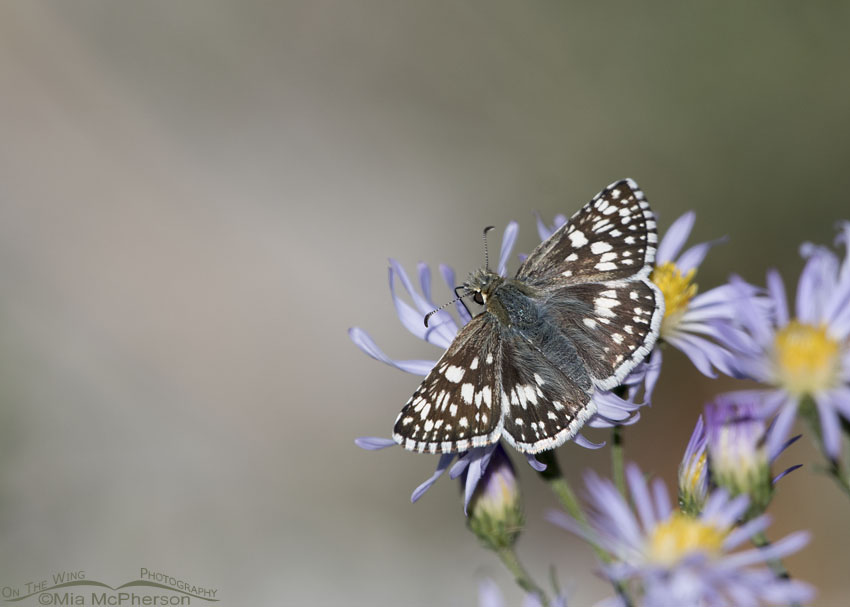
x=542, y=406
x=613, y=237
x=580, y=315
x=613, y=325
x=456, y=407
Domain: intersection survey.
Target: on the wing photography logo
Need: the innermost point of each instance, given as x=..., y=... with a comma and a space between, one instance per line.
x=151, y=588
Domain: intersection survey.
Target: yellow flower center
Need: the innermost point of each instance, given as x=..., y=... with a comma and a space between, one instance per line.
x=806, y=358
x=681, y=535
x=678, y=290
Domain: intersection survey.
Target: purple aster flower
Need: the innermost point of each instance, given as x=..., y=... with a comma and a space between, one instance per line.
x=665, y=558
x=443, y=327
x=732, y=449
x=695, y=323
x=741, y=450
x=804, y=358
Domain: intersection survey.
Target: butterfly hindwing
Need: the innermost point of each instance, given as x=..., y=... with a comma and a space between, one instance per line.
x=542, y=407
x=613, y=325
x=456, y=407
x=613, y=237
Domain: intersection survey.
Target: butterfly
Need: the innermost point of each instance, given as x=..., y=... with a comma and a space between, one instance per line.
x=580, y=315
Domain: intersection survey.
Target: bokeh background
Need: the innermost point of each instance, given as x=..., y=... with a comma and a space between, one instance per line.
x=198, y=198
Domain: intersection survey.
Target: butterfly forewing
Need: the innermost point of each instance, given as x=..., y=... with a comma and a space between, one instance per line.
x=612, y=237
x=457, y=406
x=541, y=406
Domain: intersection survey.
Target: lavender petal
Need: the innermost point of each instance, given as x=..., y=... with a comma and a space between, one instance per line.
x=535, y=463
x=489, y=595
x=444, y=462
x=675, y=238
x=581, y=441
x=693, y=257
x=662, y=499
x=785, y=473
x=425, y=283
x=449, y=276
x=362, y=340
x=830, y=427
x=776, y=288
x=508, y=240
x=374, y=443
x=641, y=497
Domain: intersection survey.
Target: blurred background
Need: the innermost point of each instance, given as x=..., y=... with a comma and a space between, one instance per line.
x=198, y=199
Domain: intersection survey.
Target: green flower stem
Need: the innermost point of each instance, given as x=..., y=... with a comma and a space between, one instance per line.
x=562, y=490
x=555, y=479
x=617, y=460
x=776, y=565
x=509, y=557
x=836, y=470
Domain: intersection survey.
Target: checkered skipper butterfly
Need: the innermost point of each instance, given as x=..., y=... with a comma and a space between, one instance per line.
x=580, y=314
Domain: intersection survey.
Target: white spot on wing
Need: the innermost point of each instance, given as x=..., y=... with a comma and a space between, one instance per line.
x=487, y=394
x=466, y=393
x=597, y=248
x=578, y=239
x=454, y=374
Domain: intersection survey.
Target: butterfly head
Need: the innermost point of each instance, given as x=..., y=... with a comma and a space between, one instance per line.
x=481, y=284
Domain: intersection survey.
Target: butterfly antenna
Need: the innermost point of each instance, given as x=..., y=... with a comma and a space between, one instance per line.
x=468, y=292
x=445, y=305
x=486, y=256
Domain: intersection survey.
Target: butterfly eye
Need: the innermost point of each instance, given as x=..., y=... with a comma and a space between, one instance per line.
x=478, y=298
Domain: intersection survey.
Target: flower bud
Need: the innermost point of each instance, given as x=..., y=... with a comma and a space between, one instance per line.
x=693, y=473
x=495, y=510
x=737, y=452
